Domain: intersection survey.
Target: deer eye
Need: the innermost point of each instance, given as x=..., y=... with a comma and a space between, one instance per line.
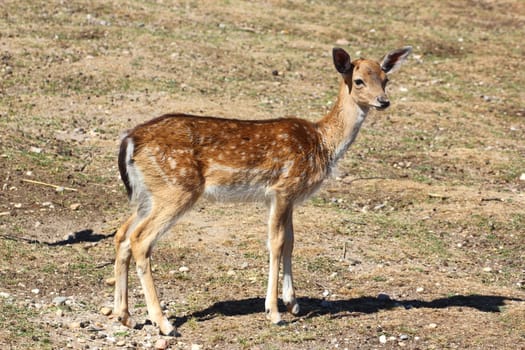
x=359, y=82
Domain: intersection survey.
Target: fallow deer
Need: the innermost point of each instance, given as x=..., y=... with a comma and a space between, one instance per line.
x=169, y=162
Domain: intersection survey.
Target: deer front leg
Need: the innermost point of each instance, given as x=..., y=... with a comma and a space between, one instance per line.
x=279, y=213
x=288, y=290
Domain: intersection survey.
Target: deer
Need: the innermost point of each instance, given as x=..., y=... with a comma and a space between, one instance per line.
x=169, y=162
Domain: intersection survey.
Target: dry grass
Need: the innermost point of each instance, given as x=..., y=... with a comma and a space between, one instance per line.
x=429, y=197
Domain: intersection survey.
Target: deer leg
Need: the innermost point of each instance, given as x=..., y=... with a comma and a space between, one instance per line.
x=142, y=243
x=122, y=260
x=288, y=290
x=276, y=240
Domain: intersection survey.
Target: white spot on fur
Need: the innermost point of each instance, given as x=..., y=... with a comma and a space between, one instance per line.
x=173, y=163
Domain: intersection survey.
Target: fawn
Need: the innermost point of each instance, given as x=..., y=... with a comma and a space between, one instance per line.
x=169, y=162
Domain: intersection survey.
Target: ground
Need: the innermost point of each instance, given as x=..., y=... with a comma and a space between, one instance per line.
x=416, y=242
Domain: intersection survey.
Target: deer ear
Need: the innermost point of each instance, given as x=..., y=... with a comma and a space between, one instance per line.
x=394, y=59
x=341, y=60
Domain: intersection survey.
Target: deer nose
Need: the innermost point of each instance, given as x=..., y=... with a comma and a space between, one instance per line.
x=383, y=101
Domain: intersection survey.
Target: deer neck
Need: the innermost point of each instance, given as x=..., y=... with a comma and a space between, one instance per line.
x=340, y=126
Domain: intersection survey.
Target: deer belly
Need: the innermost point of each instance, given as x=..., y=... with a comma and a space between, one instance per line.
x=235, y=192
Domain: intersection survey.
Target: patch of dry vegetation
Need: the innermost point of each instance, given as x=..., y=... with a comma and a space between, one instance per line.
x=428, y=205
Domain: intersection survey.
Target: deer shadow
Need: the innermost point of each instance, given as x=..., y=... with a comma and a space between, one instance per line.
x=315, y=307
x=81, y=236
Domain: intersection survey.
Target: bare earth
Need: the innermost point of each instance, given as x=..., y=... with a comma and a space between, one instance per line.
x=418, y=242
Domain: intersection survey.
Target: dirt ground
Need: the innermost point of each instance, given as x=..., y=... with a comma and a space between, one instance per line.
x=417, y=242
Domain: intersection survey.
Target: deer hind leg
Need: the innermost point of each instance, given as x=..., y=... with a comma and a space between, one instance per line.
x=280, y=213
x=288, y=290
x=143, y=239
x=122, y=260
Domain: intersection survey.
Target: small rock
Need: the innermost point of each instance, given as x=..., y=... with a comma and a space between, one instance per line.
x=59, y=300
x=432, y=325
x=487, y=269
x=60, y=313
x=522, y=177
x=110, y=281
x=161, y=344
x=342, y=42
x=383, y=297
x=196, y=347
x=244, y=265
x=106, y=311
x=35, y=291
x=121, y=343
x=18, y=205
x=403, y=337
x=230, y=273
x=326, y=293
x=74, y=206
x=382, y=339
x=184, y=269
x=74, y=325
x=4, y=295
x=35, y=150
x=420, y=289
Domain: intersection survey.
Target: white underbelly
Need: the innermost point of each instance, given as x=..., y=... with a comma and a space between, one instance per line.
x=236, y=193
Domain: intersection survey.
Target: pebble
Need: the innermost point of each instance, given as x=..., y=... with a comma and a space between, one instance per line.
x=120, y=343
x=74, y=325
x=161, y=344
x=196, y=347
x=382, y=339
x=383, y=297
x=110, y=281
x=35, y=291
x=432, y=325
x=4, y=295
x=487, y=269
x=74, y=206
x=403, y=337
x=184, y=269
x=60, y=313
x=420, y=289
x=230, y=273
x=59, y=300
x=106, y=311
x=522, y=177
